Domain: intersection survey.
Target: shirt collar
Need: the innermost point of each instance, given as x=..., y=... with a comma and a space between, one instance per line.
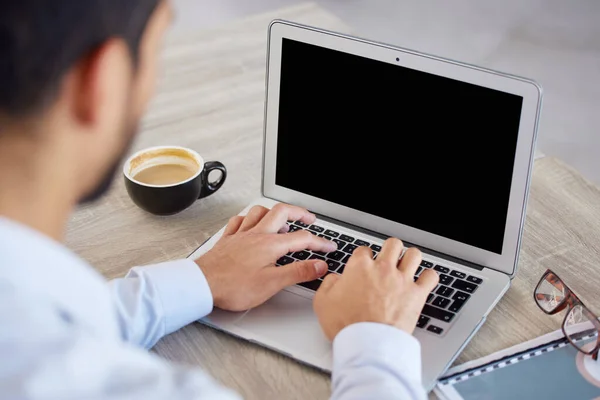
x=34, y=263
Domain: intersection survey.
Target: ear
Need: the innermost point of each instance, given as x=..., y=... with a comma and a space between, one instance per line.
x=97, y=88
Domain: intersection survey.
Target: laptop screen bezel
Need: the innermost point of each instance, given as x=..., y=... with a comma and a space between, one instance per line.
x=530, y=92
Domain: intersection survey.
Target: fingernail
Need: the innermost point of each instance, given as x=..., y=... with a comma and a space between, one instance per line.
x=284, y=229
x=320, y=267
x=331, y=246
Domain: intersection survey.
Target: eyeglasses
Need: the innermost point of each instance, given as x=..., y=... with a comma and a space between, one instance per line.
x=553, y=296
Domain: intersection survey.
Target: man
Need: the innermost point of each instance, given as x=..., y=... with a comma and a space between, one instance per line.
x=75, y=77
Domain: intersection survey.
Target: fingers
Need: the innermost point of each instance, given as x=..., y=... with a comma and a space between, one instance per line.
x=301, y=271
x=328, y=282
x=361, y=257
x=391, y=251
x=233, y=225
x=255, y=214
x=280, y=214
x=363, y=252
x=302, y=240
x=428, y=280
x=410, y=262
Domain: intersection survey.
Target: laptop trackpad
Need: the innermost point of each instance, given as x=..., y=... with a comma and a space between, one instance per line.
x=287, y=320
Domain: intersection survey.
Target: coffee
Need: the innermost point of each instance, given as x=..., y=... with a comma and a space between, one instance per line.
x=165, y=174
x=165, y=180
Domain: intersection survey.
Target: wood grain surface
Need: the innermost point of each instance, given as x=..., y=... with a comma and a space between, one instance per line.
x=210, y=98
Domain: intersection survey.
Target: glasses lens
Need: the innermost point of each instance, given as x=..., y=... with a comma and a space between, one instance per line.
x=578, y=327
x=550, y=293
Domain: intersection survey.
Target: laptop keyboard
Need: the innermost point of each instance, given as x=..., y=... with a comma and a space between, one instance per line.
x=443, y=303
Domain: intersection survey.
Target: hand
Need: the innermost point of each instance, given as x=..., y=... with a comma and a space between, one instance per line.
x=381, y=290
x=240, y=268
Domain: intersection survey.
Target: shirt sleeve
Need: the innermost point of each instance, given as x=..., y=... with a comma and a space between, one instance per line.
x=45, y=356
x=376, y=361
x=156, y=300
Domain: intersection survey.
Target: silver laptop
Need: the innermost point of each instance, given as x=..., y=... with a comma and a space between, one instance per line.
x=380, y=141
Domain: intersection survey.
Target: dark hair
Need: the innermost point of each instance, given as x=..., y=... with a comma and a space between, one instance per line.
x=40, y=40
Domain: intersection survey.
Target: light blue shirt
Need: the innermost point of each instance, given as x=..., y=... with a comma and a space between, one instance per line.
x=67, y=334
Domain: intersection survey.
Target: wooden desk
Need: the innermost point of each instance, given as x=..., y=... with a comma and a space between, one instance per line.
x=211, y=99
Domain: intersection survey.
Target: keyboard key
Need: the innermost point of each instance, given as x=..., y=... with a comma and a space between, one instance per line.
x=331, y=233
x=336, y=255
x=294, y=228
x=445, y=291
x=316, y=228
x=435, y=329
x=458, y=274
x=347, y=238
x=376, y=247
x=301, y=224
x=346, y=259
x=320, y=253
x=456, y=305
x=445, y=279
x=464, y=286
x=461, y=296
x=332, y=265
x=419, y=270
x=350, y=248
x=441, y=302
x=442, y=269
x=426, y=264
x=301, y=255
x=285, y=260
x=423, y=320
x=312, y=285
x=341, y=270
x=314, y=233
x=430, y=297
x=326, y=237
x=475, y=280
x=341, y=244
x=375, y=254
x=316, y=257
x=359, y=242
x=437, y=313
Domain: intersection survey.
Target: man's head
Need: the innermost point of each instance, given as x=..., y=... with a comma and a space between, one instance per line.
x=75, y=78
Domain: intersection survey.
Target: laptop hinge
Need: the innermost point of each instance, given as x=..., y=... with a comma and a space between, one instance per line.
x=409, y=244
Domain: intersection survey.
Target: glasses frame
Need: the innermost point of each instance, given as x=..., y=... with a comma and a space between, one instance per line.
x=569, y=302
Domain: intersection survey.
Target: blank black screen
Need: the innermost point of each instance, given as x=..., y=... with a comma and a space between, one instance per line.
x=423, y=150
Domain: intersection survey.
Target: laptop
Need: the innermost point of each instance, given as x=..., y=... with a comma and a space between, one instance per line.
x=381, y=141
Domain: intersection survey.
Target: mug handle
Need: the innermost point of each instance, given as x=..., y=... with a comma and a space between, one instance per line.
x=209, y=188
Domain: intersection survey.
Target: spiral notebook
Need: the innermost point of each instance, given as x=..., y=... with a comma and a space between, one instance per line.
x=548, y=367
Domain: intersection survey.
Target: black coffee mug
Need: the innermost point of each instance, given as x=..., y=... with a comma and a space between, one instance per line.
x=173, y=197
